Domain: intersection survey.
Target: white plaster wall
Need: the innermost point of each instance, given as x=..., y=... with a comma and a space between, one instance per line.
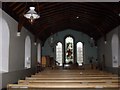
x=27, y=52
x=106, y=49
x=17, y=45
x=114, y=46
x=0, y=80
x=0, y=40
x=17, y=53
x=0, y=49
x=119, y=46
x=5, y=46
x=39, y=53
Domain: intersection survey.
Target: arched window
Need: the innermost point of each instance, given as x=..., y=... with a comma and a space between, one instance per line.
x=69, y=49
x=5, y=39
x=27, y=52
x=39, y=53
x=80, y=53
x=59, y=53
x=115, y=45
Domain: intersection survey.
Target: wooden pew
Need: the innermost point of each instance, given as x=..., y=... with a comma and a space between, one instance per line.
x=67, y=72
x=68, y=80
x=69, y=83
x=66, y=86
x=71, y=75
x=57, y=78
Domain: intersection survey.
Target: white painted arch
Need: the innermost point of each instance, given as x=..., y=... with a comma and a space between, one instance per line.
x=59, y=53
x=4, y=45
x=27, y=52
x=115, y=49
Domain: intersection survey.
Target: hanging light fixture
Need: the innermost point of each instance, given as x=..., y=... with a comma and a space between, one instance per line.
x=32, y=14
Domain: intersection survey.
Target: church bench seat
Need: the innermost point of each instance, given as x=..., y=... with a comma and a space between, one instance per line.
x=63, y=86
x=67, y=81
x=70, y=83
x=78, y=75
x=74, y=73
x=57, y=78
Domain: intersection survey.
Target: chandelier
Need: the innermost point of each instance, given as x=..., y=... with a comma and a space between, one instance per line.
x=32, y=14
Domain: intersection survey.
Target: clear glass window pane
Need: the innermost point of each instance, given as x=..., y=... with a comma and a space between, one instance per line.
x=80, y=53
x=59, y=53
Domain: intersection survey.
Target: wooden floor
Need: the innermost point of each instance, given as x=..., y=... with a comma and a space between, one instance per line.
x=68, y=80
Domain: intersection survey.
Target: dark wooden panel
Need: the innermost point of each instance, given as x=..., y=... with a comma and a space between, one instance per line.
x=95, y=18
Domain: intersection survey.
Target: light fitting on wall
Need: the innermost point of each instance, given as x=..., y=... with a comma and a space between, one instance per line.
x=35, y=41
x=32, y=14
x=105, y=40
x=92, y=42
x=18, y=34
x=52, y=41
x=96, y=44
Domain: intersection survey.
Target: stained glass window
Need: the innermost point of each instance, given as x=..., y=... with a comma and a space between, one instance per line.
x=80, y=53
x=69, y=55
x=59, y=53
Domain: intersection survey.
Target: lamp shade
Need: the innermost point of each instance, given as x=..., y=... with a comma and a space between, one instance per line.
x=32, y=14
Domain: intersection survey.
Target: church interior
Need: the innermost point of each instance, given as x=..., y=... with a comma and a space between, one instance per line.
x=59, y=45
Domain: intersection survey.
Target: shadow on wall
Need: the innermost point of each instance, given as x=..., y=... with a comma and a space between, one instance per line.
x=0, y=80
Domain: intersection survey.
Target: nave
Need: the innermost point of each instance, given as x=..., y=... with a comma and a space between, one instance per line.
x=67, y=79
x=84, y=35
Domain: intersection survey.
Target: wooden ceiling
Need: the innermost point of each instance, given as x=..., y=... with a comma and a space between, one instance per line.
x=94, y=18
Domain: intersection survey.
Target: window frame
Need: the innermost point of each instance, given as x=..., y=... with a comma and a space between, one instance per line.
x=65, y=48
x=82, y=53
x=62, y=52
